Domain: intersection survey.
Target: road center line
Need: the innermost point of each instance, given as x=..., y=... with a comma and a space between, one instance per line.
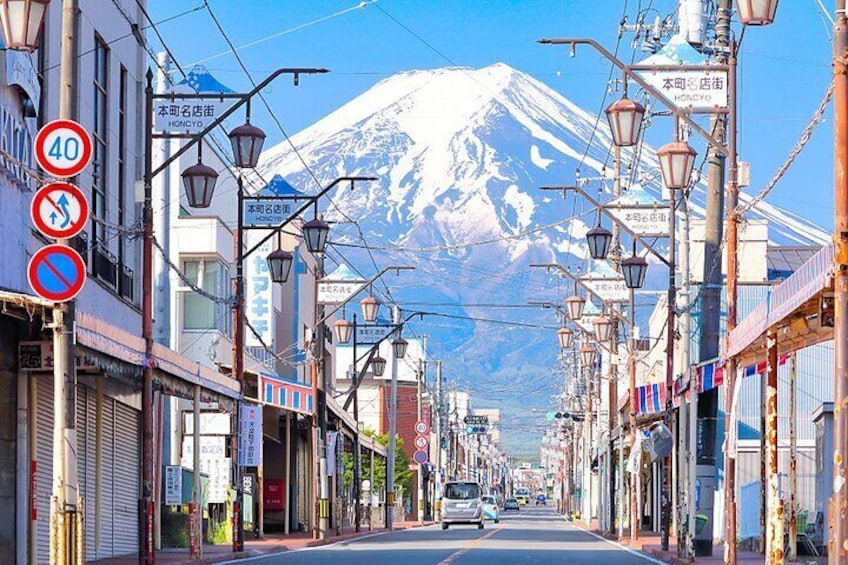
x=454, y=556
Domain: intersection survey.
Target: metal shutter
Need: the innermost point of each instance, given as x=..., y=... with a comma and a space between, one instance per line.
x=44, y=472
x=127, y=479
x=107, y=499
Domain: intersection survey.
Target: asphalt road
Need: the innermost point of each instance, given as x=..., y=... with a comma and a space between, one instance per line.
x=534, y=536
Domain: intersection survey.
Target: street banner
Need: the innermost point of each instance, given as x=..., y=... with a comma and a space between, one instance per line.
x=332, y=437
x=173, y=485
x=250, y=436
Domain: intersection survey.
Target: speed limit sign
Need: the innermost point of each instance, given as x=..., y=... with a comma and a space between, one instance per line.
x=63, y=148
x=422, y=427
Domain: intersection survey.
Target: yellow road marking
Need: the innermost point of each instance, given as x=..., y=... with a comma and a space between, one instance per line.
x=474, y=543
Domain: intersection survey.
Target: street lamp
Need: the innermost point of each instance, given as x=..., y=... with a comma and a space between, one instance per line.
x=399, y=346
x=279, y=265
x=599, y=239
x=21, y=21
x=199, y=182
x=575, y=304
x=757, y=12
x=677, y=159
x=565, y=337
x=315, y=233
x=370, y=308
x=634, y=269
x=378, y=366
x=343, y=330
x=587, y=355
x=603, y=329
x=625, y=121
x=247, y=141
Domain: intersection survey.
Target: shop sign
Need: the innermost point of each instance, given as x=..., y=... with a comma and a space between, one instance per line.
x=173, y=485
x=371, y=335
x=610, y=290
x=338, y=292
x=17, y=148
x=260, y=307
x=187, y=115
x=274, y=494
x=38, y=356
x=211, y=423
x=250, y=436
x=644, y=221
x=695, y=89
x=267, y=212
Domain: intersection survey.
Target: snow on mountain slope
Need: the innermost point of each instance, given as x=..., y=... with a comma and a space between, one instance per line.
x=460, y=154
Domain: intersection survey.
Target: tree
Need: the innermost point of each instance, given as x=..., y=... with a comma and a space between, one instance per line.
x=403, y=475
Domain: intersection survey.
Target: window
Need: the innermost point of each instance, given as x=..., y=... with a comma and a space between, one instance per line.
x=122, y=160
x=462, y=491
x=199, y=312
x=101, y=109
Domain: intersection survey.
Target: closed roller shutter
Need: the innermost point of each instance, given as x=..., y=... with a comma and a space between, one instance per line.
x=44, y=472
x=107, y=499
x=127, y=480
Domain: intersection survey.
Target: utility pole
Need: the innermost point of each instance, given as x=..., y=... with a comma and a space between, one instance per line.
x=438, y=482
x=732, y=309
x=390, y=465
x=615, y=495
x=707, y=404
x=420, y=477
x=321, y=378
x=631, y=368
x=687, y=523
x=665, y=527
x=838, y=520
x=66, y=527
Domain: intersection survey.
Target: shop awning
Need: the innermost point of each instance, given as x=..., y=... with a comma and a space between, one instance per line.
x=174, y=372
x=791, y=305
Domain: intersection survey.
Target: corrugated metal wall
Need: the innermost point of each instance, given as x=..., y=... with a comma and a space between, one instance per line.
x=814, y=386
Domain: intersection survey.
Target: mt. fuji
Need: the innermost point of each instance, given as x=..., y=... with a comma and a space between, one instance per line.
x=460, y=154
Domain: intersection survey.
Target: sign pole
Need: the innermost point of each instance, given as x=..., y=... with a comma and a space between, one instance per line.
x=65, y=498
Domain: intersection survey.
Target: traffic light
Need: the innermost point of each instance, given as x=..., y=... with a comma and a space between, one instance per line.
x=475, y=429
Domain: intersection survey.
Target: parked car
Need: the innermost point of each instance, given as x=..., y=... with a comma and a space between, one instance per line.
x=511, y=504
x=462, y=503
x=491, y=509
x=540, y=499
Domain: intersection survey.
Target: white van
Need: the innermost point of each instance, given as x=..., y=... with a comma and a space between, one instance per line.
x=462, y=503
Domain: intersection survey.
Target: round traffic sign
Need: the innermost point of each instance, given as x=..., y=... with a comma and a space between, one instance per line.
x=63, y=148
x=59, y=210
x=422, y=427
x=420, y=457
x=56, y=273
x=421, y=442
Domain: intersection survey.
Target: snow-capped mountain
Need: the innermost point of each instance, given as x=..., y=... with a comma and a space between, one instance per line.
x=460, y=154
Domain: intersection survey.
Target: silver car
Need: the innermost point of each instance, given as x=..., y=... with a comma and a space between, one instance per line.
x=462, y=503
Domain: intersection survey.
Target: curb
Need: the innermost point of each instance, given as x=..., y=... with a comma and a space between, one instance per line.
x=636, y=553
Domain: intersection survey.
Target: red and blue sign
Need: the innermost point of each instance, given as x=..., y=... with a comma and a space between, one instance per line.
x=56, y=273
x=59, y=210
x=420, y=457
x=63, y=148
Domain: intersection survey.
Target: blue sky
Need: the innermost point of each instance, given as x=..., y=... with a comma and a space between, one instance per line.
x=785, y=67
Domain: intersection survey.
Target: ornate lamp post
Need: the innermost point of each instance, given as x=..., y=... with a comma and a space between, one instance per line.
x=757, y=12
x=21, y=21
x=625, y=121
x=565, y=337
x=370, y=308
x=279, y=265
x=677, y=159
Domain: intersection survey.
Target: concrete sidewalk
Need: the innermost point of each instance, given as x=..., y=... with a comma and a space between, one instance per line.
x=271, y=543
x=649, y=543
